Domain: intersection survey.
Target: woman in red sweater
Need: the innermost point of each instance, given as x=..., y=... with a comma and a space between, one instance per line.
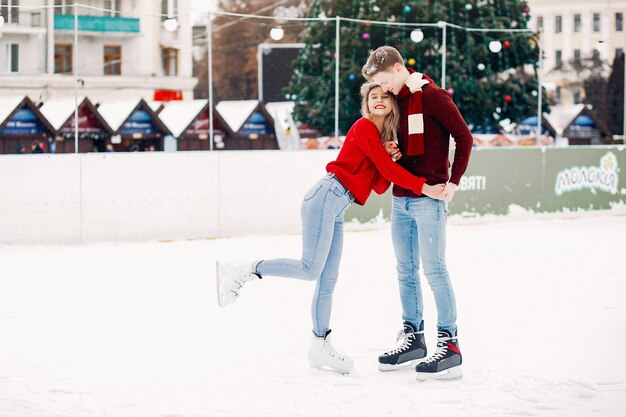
x=362, y=165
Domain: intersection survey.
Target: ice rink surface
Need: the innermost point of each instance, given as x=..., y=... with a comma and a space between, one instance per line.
x=133, y=329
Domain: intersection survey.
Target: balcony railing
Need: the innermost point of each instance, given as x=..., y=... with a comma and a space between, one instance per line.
x=30, y=18
x=97, y=23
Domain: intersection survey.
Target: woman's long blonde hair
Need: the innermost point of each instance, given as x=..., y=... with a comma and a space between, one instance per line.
x=390, y=125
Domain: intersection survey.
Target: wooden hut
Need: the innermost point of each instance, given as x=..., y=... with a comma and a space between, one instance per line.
x=189, y=123
x=135, y=125
x=23, y=127
x=248, y=125
x=94, y=134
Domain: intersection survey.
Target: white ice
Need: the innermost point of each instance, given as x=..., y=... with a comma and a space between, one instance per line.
x=135, y=330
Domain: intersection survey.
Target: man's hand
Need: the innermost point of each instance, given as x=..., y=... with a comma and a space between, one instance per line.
x=434, y=191
x=448, y=191
x=393, y=150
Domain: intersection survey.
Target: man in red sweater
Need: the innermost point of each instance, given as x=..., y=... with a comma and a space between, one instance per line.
x=428, y=117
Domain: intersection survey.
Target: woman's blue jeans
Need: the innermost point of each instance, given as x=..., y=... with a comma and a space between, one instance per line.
x=323, y=210
x=418, y=230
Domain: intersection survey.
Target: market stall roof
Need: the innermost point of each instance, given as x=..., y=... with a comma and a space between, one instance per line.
x=178, y=115
x=14, y=106
x=60, y=110
x=116, y=113
x=562, y=115
x=8, y=104
x=236, y=112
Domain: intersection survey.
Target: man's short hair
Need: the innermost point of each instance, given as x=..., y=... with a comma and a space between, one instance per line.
x=380, y=60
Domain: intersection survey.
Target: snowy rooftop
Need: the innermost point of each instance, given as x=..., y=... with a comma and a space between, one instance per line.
x=562, y=115
x=7, y=105
x=115, y=112
x=236, y=112
x=177, y=115
x=58, y=110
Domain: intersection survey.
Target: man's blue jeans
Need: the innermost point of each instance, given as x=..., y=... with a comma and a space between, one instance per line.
x=323, y=211
x=418, y=230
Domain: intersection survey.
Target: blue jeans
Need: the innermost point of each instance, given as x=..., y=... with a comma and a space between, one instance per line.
x=323, y=210
x=418, y=230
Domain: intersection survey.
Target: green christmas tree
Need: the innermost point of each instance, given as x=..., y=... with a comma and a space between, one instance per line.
x=487, y=87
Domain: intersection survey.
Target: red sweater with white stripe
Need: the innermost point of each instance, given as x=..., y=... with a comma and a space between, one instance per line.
x=441, y=119
x=364, y=165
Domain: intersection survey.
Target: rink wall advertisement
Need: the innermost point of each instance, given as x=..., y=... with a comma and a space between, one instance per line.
x=538, y=180
x=193, y=195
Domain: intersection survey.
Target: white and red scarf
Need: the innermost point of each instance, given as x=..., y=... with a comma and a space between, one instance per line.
x=413, y=90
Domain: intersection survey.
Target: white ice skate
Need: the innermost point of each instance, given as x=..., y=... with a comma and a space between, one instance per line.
x=322, y=355
x=230, y=278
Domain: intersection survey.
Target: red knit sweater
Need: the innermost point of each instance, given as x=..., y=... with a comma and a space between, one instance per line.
x=364, y=165
x=441, y=119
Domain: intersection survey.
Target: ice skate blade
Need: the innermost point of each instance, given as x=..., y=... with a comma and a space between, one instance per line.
x=328, y=368
x=448, y=374
x=385, y=367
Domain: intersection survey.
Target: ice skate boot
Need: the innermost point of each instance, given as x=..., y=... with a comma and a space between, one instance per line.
x=445, y=363
x=322, y=355
x=411, y=348
x=231, y=277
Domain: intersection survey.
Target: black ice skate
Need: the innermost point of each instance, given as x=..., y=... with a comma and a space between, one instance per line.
x=445, y=363
x=411, y=349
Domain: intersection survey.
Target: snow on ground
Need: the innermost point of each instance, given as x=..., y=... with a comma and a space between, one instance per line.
x=134, y=329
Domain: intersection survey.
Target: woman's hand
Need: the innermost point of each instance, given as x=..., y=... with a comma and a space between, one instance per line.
x=434, y=191
x=393, y=150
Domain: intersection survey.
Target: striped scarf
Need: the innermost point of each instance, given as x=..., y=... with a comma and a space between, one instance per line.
x=413, y=88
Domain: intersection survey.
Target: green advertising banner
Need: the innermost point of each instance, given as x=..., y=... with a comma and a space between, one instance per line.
x=536, y=179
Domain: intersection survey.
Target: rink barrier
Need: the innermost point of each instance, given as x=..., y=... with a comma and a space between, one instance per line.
x=60, y=199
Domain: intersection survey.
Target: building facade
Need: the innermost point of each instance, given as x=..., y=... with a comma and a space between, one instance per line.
x=578, y=37
x=125, y=49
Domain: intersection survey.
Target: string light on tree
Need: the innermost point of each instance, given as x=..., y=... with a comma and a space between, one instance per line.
x=411, y=62
x=407, y=9
x=277, y=33
x=481, y=67
x=506, y=44
x=351, y=77
x=495, y=46
x=365, y=36
x=417, y=36
x=508, y=98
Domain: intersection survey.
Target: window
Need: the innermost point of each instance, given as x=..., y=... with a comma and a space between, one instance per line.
x=112, y=7
x=558, y=24
x=557, y=59
x=35, y=19
x=112, y=60
x=577, y=56
x=169, y=8
x=596, y=55
x=539, y=23
x=63, y=6
x=63, y=58
x=619, y=22
x=619, y=52
x=557, y=95
x=10, y=14
x=170, y=61
x=577, y=23
x=596, y=22
x=576, y=94
x=9, y=56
